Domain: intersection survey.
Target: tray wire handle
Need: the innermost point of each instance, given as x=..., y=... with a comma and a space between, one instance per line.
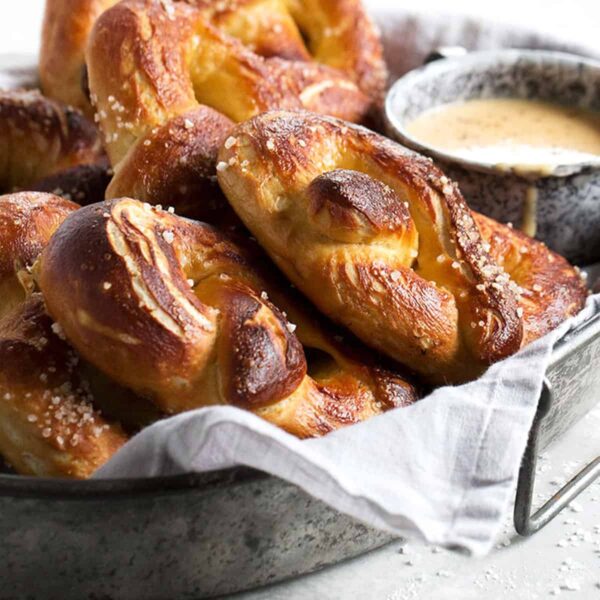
x=526, y=523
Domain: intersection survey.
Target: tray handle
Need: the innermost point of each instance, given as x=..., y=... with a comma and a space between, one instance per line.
x=526, y=523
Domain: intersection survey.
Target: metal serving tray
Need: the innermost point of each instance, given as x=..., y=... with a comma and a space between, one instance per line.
x=198, y=536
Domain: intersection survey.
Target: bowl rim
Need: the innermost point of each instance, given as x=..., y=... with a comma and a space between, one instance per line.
x=396, y=127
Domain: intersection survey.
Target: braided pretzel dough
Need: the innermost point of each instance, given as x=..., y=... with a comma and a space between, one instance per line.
x=383, y=243
x=48, y=425
x=175, y=164
x=336, y=33
x=150, y=61
x=39, y=137
x=173, y=310
x=550, y=289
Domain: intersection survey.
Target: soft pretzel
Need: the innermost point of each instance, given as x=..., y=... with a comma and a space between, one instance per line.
x=39, y=137
x=336, y=33
x=174, y=311
x=48, y=424
x=550, y=289
x=67, y=25
x=150, y=61
x=381, y=241
x=175, y=164
x=27, y=220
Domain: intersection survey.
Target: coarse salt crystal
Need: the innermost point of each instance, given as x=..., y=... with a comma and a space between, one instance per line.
x=57, y=330
x=571, y=586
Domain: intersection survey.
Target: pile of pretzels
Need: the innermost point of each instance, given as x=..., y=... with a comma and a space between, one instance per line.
x=198, y=211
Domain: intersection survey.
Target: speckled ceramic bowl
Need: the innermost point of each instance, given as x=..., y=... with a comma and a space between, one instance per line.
x=564, y=202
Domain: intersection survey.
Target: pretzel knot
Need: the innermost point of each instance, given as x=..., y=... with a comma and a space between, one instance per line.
x=173, y=310
x=151, y=61
x=381, y=241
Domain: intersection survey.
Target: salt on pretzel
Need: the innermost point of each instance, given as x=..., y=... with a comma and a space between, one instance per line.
x=150, y=61
x=49, y=425
x=153, y=93
x=382, y=242
x=173, y=310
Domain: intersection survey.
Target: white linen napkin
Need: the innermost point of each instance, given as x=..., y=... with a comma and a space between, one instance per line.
x=444, y=469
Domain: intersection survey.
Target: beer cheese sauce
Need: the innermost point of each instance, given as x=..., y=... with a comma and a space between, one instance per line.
x=529, y=135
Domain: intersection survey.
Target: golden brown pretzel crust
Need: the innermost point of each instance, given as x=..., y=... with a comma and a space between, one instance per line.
x=67, y=25
x=27, y=220
x=175, y=165
x=336, y=33
x=48, y=425
x=352, y=44
x=379, y=239
x=551, y=290
x=150, y=61
x=173, y=310
x=39, y=136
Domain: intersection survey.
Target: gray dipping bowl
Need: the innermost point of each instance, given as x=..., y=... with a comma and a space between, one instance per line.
x=567, y=211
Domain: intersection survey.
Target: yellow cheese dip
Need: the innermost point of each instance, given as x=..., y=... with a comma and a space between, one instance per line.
x=528, y=135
